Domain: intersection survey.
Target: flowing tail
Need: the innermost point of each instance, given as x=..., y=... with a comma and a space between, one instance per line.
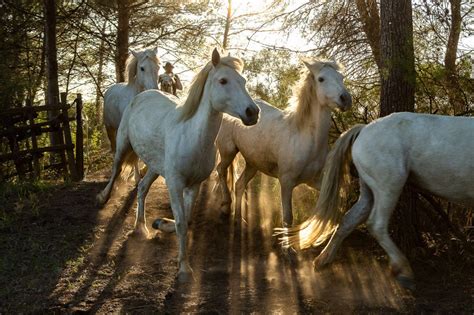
x=129, y=162
x=327, y=214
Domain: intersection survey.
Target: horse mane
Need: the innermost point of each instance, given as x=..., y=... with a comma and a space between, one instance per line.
x=132, y=61
x=190, y=106
x=304, y=93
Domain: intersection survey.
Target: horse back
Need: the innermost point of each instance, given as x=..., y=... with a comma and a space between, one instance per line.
x=116, y=99
x=436, y=152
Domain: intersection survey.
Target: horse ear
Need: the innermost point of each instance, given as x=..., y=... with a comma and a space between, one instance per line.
x=155, y=50
x=134, y=53
x=307, y=64
x=216, y=58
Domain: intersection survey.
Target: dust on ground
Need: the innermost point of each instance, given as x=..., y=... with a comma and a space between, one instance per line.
x=76, y=257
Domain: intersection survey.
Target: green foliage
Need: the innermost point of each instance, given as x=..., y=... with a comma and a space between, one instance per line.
x=271, y=75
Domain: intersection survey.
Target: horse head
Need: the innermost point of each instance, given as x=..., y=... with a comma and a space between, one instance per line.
x=146, y=69
x=228, y=93
x=329, y=85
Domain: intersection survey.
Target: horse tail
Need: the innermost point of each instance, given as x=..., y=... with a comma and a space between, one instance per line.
x=327, y=214
x=131, y=158
x=111, y=134
x=231, y=176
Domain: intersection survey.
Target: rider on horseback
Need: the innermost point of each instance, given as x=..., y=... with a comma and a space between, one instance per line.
x=169, y=82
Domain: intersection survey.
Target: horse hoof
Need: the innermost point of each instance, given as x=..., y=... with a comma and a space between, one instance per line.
x=99, y=200
x=319, y=263
x=139, y=233
x=156, y=224
x=164, y=225
x=406, y=282
x=185, y=277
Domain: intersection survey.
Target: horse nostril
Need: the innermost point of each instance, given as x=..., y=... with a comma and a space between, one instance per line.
x=249, y=112
x=343, y=98
x=346, y=99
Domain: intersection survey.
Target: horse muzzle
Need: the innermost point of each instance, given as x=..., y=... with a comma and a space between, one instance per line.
x=250, y=117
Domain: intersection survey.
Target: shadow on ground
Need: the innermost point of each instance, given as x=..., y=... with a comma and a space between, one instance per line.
x=75, y=257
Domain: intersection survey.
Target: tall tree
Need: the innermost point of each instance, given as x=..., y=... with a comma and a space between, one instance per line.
x=52, y=91
x=123, y=10
x=370, y=19
x=398, y=94
x=450, y=57
x=225, y=41
x=397, y=57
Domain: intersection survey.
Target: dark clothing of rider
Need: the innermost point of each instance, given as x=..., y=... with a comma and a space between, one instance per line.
x=176, y=82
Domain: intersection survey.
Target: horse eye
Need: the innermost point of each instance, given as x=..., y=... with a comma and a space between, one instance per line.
x=321, y=79
x=141, y=68
x=223, y=81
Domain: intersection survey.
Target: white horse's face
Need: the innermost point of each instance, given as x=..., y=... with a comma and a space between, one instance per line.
x=330, y=89
x=147, y=72
x=229, y=95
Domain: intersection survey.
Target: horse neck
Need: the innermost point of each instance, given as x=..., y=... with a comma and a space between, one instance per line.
x=205, y=123
x=135, y=87
x=318, y=126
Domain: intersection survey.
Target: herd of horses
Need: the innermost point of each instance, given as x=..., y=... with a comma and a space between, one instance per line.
x=178, y=140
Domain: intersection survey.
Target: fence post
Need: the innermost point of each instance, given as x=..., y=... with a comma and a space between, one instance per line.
x=67, y=136
x=34, y=141
x=79, y=138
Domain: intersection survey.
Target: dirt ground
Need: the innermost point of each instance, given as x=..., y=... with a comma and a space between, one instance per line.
x=73, y=257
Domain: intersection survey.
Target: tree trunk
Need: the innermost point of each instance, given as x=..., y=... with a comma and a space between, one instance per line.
x=369, y=16
x=398, y=94
x=452, y=83
x=100, y=76
x=52, y=91
x=225, y=41
x=122, y=39
x=397, y=57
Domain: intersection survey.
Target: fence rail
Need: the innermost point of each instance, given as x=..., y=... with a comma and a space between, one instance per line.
x=20, y=129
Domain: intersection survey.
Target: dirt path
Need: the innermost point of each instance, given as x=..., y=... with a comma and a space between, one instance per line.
x=74, y=257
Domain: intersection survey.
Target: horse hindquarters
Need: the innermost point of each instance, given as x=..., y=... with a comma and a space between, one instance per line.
x=381, y=164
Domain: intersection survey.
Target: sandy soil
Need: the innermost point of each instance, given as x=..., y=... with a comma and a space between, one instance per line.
x=75, y=257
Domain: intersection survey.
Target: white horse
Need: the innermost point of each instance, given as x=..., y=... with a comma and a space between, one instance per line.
x=290, y=145
x=434, y=153
x=142, y=74
x=177, y=142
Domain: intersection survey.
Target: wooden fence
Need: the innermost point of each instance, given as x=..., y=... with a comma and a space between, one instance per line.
x=20, y=128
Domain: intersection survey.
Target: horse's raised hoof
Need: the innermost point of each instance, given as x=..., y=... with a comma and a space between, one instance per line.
x=165, y=225
x=406, y=282
x=320, y=262
x=100, y=200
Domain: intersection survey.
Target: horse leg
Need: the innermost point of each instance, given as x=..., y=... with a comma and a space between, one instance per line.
x=287, y=185
x=176, y=191
x=248, y=173
x=227, y=156
x=123, y=149
x=384, y=204
x=356, y=215
x=190, y=195
x=136, y=173
x=112, y=135
x=140, y=229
